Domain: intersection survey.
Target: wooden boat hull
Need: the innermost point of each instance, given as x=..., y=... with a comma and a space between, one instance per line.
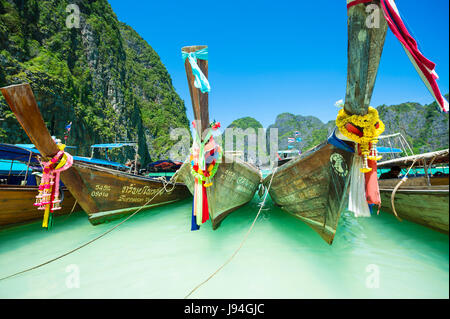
x=234, y=185
x=16, y=204
x=419, y=203
x=117, y=194
x=314, y=187
x=99, y=191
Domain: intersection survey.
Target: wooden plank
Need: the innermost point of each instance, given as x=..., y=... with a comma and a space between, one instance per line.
x=429, y=210
x=16, y=204
x=234, y=185
x=312, y=188
x=199, y=100
x=115, y=191
x=365, y=46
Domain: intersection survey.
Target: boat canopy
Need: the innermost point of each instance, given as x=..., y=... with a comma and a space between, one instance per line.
x=18, y=153
x=113, y=145
x=22, y=152
x=438, y=157
x=383, y=150
x=32, y=147
x=163, y=163
x=99, y=161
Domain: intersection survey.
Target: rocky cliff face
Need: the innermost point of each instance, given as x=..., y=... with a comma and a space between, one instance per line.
x=424, y=127
x=101, y=75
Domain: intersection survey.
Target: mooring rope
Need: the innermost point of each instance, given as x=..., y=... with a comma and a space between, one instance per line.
x=165, y=183
x=242, y=243
x=404, y=179
x=73, y=208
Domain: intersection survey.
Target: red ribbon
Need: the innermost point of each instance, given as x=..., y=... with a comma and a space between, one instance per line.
x=354, y=3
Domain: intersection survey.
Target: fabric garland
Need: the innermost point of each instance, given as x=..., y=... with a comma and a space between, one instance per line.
x=48, y=197
x=205, y=158
x=364, y=131
x=424, y=67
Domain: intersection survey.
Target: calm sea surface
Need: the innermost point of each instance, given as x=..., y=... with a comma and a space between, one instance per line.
x=155, y=255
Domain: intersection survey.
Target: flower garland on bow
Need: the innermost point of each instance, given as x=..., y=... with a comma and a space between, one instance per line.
x=372, y=127
x=48, y=197
x=205, y=158
x=364, y=131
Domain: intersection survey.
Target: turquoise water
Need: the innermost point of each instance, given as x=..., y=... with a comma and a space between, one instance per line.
x=155, y=255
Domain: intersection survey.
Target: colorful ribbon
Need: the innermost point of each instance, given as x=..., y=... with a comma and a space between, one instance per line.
x=48, y=197
x=205, y=159
x=200, y=82
x=423, y=66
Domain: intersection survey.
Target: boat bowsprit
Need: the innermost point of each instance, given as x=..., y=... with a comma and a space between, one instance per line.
x=219, y=183
x=314, y=186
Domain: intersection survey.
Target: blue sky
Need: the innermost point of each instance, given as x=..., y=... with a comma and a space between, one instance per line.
x=269, y=57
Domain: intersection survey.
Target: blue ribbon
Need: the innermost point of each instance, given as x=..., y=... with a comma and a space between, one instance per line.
x=201, y=82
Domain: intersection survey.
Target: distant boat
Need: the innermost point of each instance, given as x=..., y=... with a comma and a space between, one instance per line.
x=424, y=197
x=235, y=181
x=314, y=186
x=286, y=155
x=103, y=193
x=19, y=187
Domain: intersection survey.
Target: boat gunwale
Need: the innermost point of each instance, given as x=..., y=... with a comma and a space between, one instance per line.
x=293, y=162
x=120, y=173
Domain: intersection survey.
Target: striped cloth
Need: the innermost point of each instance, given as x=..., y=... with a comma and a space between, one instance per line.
x=423, y=66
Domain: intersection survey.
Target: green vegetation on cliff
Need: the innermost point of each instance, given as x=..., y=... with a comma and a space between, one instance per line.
x=424, y=126
x=102, y=76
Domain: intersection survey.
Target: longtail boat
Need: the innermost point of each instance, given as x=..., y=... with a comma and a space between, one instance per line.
x=314, y=186
x=423, y=197
x=18, y=188
x=235, y=181
x=103, y=193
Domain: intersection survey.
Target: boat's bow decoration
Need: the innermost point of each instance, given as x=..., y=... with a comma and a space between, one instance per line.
x=220, y=183
x=205, y=158
x=48, y=197
x=201, y=81
x=357, y=121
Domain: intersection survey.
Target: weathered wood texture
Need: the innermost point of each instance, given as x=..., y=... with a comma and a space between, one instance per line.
x=117, y=194
x=20, y=99
x=417, y=202
x=314, y=188
x=365, y=45
x=16, y=204
x=99, y=191
x=235, y=182
x=234, y=185
x=199, y=100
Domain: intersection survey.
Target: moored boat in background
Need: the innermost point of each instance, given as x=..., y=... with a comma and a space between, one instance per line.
x=103, y=193
x=423, y=197
x=19, y=187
